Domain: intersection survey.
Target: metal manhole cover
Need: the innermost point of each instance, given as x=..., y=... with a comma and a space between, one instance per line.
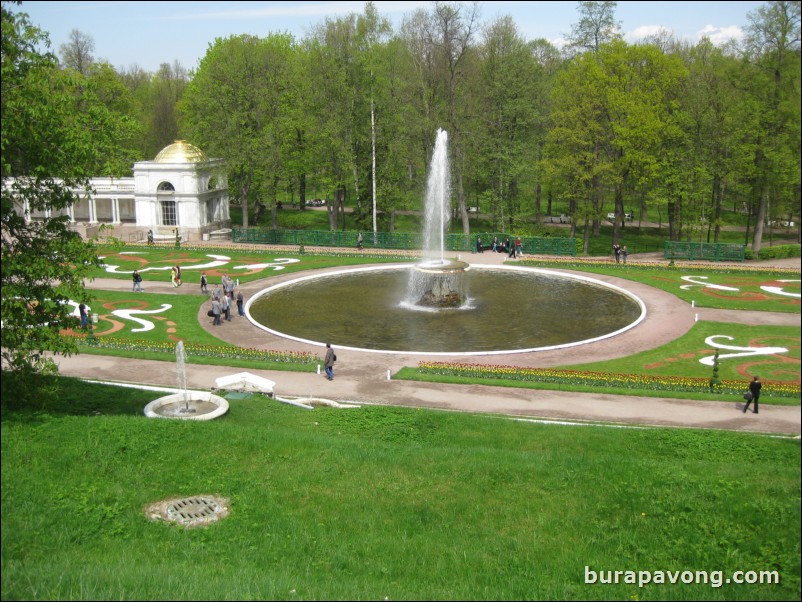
x=191, y=511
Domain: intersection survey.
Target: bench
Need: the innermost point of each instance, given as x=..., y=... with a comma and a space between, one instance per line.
x=157, y=237
x=221, y=233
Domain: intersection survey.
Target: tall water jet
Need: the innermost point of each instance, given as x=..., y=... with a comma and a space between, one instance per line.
x=436, y=282
x=438, y=196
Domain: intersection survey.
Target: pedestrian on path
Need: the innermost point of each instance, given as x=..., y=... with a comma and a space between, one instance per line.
x=328, y=361
x=754, y=389
x=204, y=284
x=216, y=311
x=240, y=304
x=227, y=307
x=137, y=287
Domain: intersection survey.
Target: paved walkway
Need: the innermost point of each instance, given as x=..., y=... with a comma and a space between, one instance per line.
x=363, y=376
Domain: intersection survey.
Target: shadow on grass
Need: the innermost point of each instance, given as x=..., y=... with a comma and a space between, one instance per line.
x=29, y=397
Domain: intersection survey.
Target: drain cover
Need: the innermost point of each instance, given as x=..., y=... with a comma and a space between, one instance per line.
x=190, y=511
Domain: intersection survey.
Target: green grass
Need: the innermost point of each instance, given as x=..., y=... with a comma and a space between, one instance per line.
x=381, y=502
x=747, y=281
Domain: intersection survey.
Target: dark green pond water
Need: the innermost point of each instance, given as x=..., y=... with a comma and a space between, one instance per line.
x=506, y=310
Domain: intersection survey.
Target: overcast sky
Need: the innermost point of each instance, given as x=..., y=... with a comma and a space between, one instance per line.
x=151, y=33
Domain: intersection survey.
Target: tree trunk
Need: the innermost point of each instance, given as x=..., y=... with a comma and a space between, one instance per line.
x=718, y=193
x=243, y=199
x=760, y=219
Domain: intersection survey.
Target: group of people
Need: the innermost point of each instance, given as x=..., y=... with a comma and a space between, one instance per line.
x=223, y=299
x=513, y=249
x=620, y=252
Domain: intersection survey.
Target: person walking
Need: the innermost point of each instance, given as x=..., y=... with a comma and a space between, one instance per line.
x=172, y=276
x=240, y=304
x=216, y=311
x=617, y=252
x=204, y=284
x=519, y=247
x=227, y=307
x=479, y=248
x=754, y=389
x=137, y=287
x=328, y=361
x=84, y=313
x=624, y=253
x=178, y=274
x=359, y=240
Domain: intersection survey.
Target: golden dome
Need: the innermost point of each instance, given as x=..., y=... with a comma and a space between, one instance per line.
x=181, y=151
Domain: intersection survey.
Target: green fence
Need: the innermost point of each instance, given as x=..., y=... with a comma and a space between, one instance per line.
x=388, y=240
x=704, y=250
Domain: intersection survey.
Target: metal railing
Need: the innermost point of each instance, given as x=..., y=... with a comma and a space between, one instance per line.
x=704, y=250
x=406, y=241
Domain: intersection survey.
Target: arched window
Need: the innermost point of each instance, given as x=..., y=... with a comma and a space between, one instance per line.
x=165, y=187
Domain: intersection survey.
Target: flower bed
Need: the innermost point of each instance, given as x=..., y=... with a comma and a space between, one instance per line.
x=601, y=379
x=218, y=351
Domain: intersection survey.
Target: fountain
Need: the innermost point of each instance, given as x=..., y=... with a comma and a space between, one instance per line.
x=181, y=377
x=441, y=306
x=437, y=282
x=186, y=405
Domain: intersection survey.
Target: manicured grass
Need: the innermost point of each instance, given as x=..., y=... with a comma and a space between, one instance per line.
x=682, y=355
x=248, y=263
x=716, y=287
x=381, y=502
x=680, y=358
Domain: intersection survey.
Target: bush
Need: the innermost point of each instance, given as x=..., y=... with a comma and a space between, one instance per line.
x=778, y=252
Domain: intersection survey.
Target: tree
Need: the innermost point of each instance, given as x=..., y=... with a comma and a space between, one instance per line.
x=773, y=49
x=597, y=26
x=508, y=128
x=53, y=129
x=76, y=53
x=237, y=106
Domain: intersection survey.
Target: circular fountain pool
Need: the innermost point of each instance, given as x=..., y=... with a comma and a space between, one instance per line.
x=506, y=310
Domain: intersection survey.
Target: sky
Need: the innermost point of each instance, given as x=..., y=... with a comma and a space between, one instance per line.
x=148, y=34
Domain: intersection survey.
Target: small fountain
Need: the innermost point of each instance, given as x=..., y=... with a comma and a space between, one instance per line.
x=181, y=377
x=186, y=405
x=436, y=282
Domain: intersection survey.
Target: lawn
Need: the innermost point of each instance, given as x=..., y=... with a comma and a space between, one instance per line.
x=383, y=503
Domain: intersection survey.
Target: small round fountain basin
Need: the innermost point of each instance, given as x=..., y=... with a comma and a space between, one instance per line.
x=207, y=406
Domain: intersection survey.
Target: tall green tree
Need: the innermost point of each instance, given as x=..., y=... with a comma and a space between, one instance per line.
x=54, y=132
x=235, y=107
x=509, y=100
x=773, y=51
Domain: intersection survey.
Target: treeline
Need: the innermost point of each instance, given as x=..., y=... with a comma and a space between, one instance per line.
x=673, y=131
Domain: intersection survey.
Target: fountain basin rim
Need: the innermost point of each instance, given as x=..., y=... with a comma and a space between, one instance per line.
x=220, y=402
x=549, y=272
x=442, y=267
